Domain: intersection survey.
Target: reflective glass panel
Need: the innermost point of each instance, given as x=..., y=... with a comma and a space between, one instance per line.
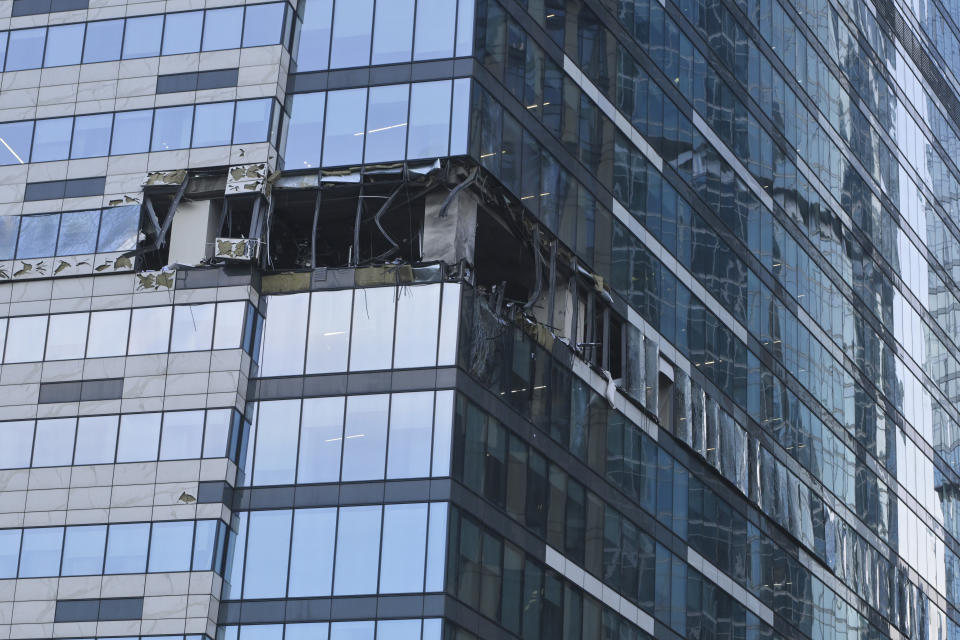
x=252, y=121
x=53, y=444
x=461, y=117
x=15, y=138
x=222, y=29
x=182, y=435
x=142, y=37
x=436, y=23
x=108, y=333
x=358, y=541
x=343, y=137
x=321, y=439
x=149, y=330
x=311, y=564
x=9, y=552
x=365, y=437
x=449, y=319
x=284, y=335
x=329, y=336
x=213, y=124
x=40, y=552
x=91, y=135
x=204, y=545
x=25, y=49
x=25, y=338
x=404, y=548
x=393, y=32
x=96, y=440
x=436, y=546
x=182, y=32
x=261, y=632
x=67, y=337
x=359, y=630
x=429, y=119
x=442, y=433
x=127, y=548
x=170, y=546
x=51, y=140
x=216, y=433
x=418, y=313
x=38, y=236
x=398, y=630
x=352, y=24
x=278, y=427
x=118, y=228
x=171, y=128
x=17, y=438
x=9, y=227
x=131, y=132
x=229, y=327
x=411, y=425
x=267, y=554
x=83, y=549
x=386, y=135
x=78, y=233
x=263, y=24
x=103, y=41
x=306, y=631
x=304, y=131
x=192, y=327
x=372, y=344
x=139, y=437
x=64, y=45
x=313, y=42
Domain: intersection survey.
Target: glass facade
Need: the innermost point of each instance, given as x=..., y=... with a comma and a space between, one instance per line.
x=456, y=319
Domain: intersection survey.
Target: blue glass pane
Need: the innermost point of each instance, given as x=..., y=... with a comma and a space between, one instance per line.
x=436, y=22
x=204, y=543
x=360, y=630
x=393, y=32
x=3, y=47
x=304, y=131
x=311, y=563
x=252, y=121
x=78, y=233
x=53, y=444
x=313, y=43
x=170, y=546
x=38, y=236
x=275, y=459
x=306, y=631
x=142, y=37
x=267, y=554
x=343, y=137
x=25, y=49
x=182, y=435
x=358, y=546
x=40, y=553
x=263, y=24
x=352, y=26
x=131, y=132
x=171, y=128
x=213, y=124
x=9, y=226
x=91, y=136
x=83, y=550
x=404, y=548
x=103, y=41
x=118, y=228
x=9, y=552
x=398, y=630
x=15, y=140
x=127, y=548
x=386, y=133
x=182, y=32
x=17, y=438
x=429, y=119
x=64, y=45
x=221, y=29
x=51, y=140
x=261, y=632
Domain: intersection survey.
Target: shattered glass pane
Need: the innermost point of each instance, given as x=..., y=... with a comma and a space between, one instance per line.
x=38, y=236
x=118, y=228
x=78, y=233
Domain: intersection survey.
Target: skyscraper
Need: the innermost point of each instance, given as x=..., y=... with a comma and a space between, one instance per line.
x=459, y=319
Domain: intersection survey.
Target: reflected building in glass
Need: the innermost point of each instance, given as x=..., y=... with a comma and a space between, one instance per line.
x=470, y=319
